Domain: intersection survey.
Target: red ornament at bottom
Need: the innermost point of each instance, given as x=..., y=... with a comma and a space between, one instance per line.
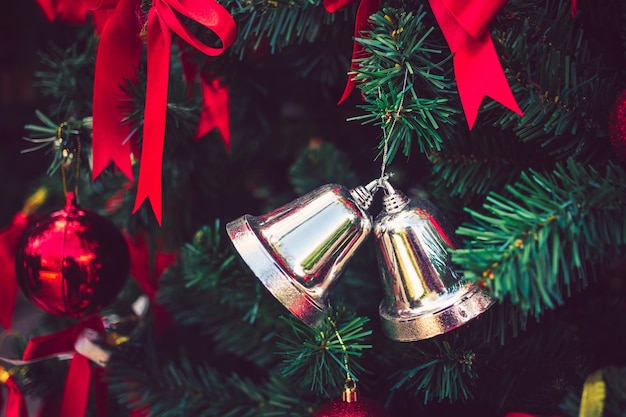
x=73, y=262
x=351, y=405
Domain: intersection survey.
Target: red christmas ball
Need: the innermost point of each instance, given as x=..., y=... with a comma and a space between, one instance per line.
x=351, y=405
x=617, y=126
x=73, y=262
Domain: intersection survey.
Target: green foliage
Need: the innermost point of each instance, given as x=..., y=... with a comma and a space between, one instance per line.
x=319, y=165
x=278, y=23
x=321, y=360
x=447, y=375
x=405, y=81
x=564, y=92
x=535, y=245
x=66, y=76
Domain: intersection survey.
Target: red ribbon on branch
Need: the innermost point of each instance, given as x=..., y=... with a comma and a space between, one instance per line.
x=164, y=18
x=117, y=61
x=465, y=25
x=77, y=383
x=365, y=10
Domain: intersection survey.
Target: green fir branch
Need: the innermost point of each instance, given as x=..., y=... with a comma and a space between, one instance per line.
x=559, y=82
x=449, y=374
x=181, y=388
x=66, y=76
x=476, y=164
x=318, y=165
x=316, y=358
x=405, y=81
x=535, y=245
x=279, y=23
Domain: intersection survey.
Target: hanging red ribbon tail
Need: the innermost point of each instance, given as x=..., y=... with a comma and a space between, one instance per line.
x=215, y=110
x=574, y=7
x=9, y=240
x=162, y=21
x=117, y=61
x=15, y=404
x=365, y=10
x=477, y=68
x=76, y=393
x=215, y=101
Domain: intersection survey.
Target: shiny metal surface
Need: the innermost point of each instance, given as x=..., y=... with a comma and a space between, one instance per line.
x=72, y=262
x=423, y=295
x=299, y=250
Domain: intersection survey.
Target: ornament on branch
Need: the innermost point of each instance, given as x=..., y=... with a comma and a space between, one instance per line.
x=299, y=250
x=73, y=262
x=424, y=297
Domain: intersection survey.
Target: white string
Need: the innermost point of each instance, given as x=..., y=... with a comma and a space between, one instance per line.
x=395, y=119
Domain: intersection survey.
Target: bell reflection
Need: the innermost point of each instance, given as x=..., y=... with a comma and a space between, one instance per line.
x=423, y=295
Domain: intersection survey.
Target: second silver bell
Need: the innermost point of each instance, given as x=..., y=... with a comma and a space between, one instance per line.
x=424, y=296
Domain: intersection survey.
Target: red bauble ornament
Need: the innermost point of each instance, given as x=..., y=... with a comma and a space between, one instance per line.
x=617, y=126
x=73, y=262
x=351, y=405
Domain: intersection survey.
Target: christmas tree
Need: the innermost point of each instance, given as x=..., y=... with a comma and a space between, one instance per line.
x=468, y=159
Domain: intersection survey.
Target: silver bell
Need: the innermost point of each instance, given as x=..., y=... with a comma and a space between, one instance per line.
x=299, y=250
x=424, y=296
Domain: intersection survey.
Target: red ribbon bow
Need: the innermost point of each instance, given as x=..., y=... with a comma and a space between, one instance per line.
x=76, y=393
x=465, y=25
x=117, y=61
x=165, y=17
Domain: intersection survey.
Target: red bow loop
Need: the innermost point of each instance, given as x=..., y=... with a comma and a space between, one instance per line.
x=78, y=378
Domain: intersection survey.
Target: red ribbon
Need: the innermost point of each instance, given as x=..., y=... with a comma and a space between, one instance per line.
x=215, y=101
x=365, y=10
x=9, y=240
x=117, y=60
x=165, y=17
x=76, y=392
x=465, y=25
x=16, y=405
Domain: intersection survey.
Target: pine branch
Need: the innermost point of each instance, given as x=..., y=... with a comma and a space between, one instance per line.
x=476, y=164
x=535, y=244
x=448, y=374
x=318, y=165
x=279, y=23
x=402, y=45
x=181, y=388
x=562, y=88
x=67, y=76
x=316, y=359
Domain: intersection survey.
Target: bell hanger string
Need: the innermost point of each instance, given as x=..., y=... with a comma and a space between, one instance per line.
x=386, y=134
x=350, y=383
x=76, y=162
